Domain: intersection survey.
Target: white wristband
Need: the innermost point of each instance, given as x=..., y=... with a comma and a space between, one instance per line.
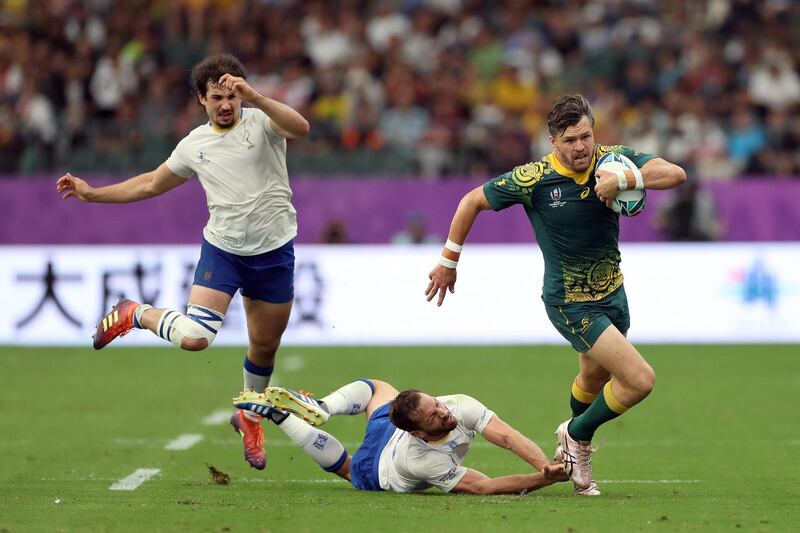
x=453, y=247
x=449, y=263
x=622, y=180
x=637, y=173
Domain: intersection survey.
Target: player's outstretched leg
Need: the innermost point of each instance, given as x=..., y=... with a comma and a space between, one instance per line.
x=321, y=446
x=117, y=323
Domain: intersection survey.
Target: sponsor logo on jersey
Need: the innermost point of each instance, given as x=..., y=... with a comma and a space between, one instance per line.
x=555, y=195
x=203, y=160
x=449, y=475
x=585, y=193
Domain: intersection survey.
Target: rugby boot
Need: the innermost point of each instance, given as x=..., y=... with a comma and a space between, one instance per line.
x=299, y=403
x=252, y=438
x=591, y=490
x=576, y=456
x=117, y=323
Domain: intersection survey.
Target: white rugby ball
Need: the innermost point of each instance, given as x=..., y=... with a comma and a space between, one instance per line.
x=627, y=203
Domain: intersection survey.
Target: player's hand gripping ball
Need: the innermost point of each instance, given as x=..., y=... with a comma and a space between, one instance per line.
x=628, y=203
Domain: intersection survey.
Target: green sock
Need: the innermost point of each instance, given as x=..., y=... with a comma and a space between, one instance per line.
x=580, y=400
x=600, y=412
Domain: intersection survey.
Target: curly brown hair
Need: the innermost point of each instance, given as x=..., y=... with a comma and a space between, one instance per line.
x=212, y=68
x=403, y=407
x=567, y=111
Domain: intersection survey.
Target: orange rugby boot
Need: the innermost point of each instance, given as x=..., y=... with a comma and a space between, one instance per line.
x=252, y=438
x=117, y=323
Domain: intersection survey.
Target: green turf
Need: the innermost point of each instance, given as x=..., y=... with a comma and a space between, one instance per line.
x=73, y=421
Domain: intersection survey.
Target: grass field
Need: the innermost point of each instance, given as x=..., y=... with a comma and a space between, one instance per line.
x=714, y=448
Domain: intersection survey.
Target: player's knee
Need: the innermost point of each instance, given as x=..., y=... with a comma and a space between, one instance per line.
x=194, y=344
x=263, y=352
x=645, y=381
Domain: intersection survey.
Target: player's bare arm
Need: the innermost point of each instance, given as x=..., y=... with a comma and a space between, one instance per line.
x=503, y=435
x=443, y=278
x=285, y=121
x=656, y=174
x=139, y=187
x=475, y=482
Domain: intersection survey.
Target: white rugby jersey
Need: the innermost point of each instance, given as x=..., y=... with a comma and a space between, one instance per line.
x=409, y=464
x=243, y=172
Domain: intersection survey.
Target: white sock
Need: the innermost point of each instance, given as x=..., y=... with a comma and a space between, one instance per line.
x=350, y=399
x=321, y=446
x=256, y=378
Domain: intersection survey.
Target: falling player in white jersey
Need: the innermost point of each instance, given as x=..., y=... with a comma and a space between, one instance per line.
x=413, y=441
x=239, y=157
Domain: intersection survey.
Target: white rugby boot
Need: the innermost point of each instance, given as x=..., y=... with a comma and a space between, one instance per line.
x=576, y=456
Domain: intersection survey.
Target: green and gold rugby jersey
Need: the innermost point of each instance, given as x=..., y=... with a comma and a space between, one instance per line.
x=577, y=233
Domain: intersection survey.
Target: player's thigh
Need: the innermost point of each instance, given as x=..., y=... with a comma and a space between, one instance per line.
x=383, y=394
x=209, y=298
x=614, y=352
x=593, y=375
x=266, y=321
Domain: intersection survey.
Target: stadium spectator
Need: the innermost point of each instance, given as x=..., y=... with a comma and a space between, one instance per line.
x=415, y=232
x=689, y=214
x=702, y=64
x=413, y=441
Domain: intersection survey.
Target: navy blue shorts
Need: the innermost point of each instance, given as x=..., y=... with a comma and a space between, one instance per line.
x=268, y=276
x=364, y=465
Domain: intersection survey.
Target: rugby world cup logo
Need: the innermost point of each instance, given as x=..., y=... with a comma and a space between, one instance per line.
x=555, y=195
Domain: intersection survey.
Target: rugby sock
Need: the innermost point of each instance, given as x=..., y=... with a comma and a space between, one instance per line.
x=606, y=407
x=321, y=446
x=350, y=399
x=256, y=378
x=137, y=315
x=580, y=400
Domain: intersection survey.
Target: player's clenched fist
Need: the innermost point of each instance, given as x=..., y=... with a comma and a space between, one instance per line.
x=71, y=186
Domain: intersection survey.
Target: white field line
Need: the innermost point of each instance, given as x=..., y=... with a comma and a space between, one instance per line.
x=218, y=417
x=184, y=442
x=291, y=363
x=651, y=481
x=134, y=480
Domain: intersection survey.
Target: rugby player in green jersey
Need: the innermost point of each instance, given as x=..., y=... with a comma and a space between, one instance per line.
x=583, y=292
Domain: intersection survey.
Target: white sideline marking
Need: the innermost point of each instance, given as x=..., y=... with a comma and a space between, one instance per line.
x=652, y=481
x=184, y=442
x=134, y=480
x=218, y=417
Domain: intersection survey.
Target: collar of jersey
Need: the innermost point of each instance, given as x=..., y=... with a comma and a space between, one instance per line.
x=580, y=177
x=433, y=442
x=227, y=130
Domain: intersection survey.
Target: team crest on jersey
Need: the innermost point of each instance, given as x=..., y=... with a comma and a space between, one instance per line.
x=528, y=174
x=203, y=160
x=555, y=195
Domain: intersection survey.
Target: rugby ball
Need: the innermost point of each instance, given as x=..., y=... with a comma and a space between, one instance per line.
x=627, y=203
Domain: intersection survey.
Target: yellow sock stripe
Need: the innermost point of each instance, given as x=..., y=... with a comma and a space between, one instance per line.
x=581, y=395
x=611, y=400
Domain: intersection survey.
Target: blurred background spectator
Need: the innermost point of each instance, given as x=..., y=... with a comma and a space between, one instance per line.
x=429, y=88
x=689, y=214
x=415, y=232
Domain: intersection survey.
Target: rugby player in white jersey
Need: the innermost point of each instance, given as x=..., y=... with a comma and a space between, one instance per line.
x=239, y=157
x=413, y=441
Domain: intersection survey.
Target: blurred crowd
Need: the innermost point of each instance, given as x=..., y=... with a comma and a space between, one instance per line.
x=424, y=87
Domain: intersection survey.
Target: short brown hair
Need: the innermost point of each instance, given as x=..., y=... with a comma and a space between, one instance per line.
x=212, y=68
x=567, y=111
x=403, y=407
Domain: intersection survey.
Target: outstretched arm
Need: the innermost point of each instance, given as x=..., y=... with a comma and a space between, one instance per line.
x=137, y=188
x=443, y=278
x=475, y=482
x=284, y=120
x=501, y=434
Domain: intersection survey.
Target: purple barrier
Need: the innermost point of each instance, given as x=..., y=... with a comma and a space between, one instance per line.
x=372, y=210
